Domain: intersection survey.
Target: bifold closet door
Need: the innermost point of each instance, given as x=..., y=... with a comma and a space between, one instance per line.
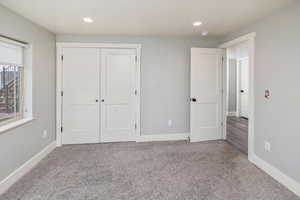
x=81, y=88
x=206, y=94
x=118, y=95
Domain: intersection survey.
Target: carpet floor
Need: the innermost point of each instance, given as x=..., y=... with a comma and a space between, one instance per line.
x=147, y=171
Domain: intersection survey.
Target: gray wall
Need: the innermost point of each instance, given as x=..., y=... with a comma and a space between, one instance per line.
x=277, y=67
x=20, y=144
x=165, y=78
x=232, y=76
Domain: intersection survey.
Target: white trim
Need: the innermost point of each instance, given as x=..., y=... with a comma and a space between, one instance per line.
x=251, y=102
x=251, y=41
x=282, y=178
x=98, y=45
x=138, y=88
x=232, y=114
x=15, y=124
x=237, y=82
x=59, y=77
x=238, y=40
x=163, y=137
x=25, y=168
x=225, y=96
x=204, y=140
x=59, y=82
x=27, y=82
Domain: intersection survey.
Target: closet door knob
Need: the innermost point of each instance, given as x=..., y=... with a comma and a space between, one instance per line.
x=193, y=99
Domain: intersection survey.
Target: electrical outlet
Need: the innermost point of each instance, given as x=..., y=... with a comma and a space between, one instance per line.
x=45, y=134
x=170, y=122
x=267, y=146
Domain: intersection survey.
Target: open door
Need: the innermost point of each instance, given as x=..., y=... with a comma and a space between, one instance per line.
x=206, y=94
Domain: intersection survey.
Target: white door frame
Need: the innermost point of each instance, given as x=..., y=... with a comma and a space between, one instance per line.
x=250, y=38
x=59, y=78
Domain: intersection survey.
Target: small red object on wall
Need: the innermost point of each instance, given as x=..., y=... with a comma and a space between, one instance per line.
x=267, y=94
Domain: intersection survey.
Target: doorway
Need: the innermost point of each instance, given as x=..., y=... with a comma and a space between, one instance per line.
x=98, y=93
x=237, y=112
x=238, y=101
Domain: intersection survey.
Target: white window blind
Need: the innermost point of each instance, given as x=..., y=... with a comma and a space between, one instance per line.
x=11, y=80
x=11, y=54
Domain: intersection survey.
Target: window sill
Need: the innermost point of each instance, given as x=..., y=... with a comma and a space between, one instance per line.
x=15, y=124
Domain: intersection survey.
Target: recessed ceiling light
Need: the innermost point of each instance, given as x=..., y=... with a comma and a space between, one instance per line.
x=204, y=33
x=88, y=20
x=197, y=23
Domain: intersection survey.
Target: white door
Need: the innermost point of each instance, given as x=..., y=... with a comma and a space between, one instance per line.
x=244, y=86
x=118, y=95
x=206, y=94
x=80, y=96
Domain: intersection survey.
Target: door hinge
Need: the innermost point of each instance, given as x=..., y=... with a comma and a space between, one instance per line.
x=188, y=139
x=135, y=126
x=62, y=58
x=62, y=93
x=135, y=59
x=222, y=59
x=61, y=129
x=135, y=92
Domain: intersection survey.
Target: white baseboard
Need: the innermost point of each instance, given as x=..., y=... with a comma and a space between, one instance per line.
x=282, y=178
x=204, y=140
x=232, y=114
x=162, y=137
x=25, y=168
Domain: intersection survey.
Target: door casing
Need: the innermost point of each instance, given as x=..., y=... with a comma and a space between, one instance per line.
x=59, y=79
x=250, y=38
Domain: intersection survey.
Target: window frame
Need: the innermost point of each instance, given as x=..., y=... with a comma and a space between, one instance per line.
x=25, y=115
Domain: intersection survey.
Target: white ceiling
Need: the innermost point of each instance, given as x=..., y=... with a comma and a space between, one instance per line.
x=144, y=17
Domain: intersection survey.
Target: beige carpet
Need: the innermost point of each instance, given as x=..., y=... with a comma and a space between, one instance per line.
x=147, y=171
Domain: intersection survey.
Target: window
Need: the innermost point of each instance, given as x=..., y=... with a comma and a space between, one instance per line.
x=11, y=81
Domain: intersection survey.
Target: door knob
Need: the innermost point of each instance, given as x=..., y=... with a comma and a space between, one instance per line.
x=193, y=99
x=102, y=100
x=97, y=100
x=242, y=91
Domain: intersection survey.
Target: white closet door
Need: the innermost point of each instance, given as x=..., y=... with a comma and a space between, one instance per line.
x=206, y=94
x=118, y=99
x=81, y=96
x=244, y=86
